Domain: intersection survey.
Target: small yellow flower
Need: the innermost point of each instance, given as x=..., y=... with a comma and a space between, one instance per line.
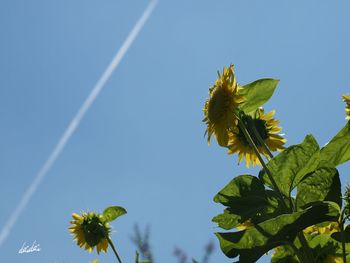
x=311, y=230
x=346, y=99
x=90, y=230
x=268, y=129
x=333, y=259
x=219, y=109
x=325, y=229
x=245, y=225
x=277, y=250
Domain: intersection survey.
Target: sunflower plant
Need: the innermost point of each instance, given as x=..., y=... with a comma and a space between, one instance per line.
x=91, y=230
x=294, y=207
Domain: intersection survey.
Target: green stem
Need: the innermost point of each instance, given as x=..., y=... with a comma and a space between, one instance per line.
x=301, y=236
x=114, y=250
x=305, y=247
x=257, y=153
x=341, y=225
x=342, y=242
x=261, y=141
x=266, y=148
x=297, y=252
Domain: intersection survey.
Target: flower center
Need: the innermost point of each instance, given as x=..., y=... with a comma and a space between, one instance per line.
x=219, y=104
x=250, y=123
x=94, y=230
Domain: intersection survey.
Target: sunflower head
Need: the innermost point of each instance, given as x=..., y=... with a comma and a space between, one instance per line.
x=219, y=109
x=90, y=230
x=267, y=128
x=346, y=99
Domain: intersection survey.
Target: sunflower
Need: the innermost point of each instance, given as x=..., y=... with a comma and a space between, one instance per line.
x=268, y=129
x=219, y=109
x=346, y=99
x=90, y=230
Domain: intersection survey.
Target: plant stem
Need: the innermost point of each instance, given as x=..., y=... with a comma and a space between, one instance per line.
x=343, y=242
x=341, y=225
x=257, y=153
x=305, y=247
x=261, y=141
x=300, y=235
x=114, y=250
x=266, y=148
x=297, y=252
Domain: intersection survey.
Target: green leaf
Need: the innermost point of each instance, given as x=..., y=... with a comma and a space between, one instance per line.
x=290, y=166
x=246, y=199
x=320, y=185
x=257, y=93
x=337, y=151
x=194, y=261
x=113, y=212
x=252, y=243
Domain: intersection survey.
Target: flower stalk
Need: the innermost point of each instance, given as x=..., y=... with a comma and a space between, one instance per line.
x=110, y=242
x=341, y=226
x=252, y=144
x=343, y=241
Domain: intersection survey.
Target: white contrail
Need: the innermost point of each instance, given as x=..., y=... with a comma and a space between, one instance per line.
x=75, y=122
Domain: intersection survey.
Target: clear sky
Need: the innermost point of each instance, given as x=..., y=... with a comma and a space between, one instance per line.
x=141, y=144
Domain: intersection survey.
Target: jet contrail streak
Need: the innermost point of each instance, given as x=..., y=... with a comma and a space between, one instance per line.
x=75, y=123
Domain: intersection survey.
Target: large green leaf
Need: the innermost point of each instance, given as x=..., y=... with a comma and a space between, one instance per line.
x=320, y=185
x=246, y=199
x=252, y=243
x=112, y=212
x=290, y=166
x=337, y=151
x=257, y=93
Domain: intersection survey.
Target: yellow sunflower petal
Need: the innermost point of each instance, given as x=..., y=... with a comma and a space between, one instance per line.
x=346, y=99
x=76, y=216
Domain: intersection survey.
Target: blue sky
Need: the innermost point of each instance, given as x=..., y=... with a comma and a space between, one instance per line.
x=141, y=144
